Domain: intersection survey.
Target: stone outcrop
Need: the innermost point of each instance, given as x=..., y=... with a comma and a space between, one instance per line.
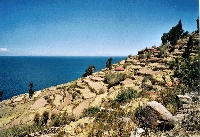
x=156, y=115
x=185, y=98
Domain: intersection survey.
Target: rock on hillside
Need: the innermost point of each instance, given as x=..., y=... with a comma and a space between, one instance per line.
x=155, y=115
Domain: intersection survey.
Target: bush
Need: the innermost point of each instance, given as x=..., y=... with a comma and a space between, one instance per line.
x=168, y=97
x=138, y=113
x=191, y=121
x=141, y=56
x=48, y=99
x=188, y=72
x=90, y=111
x=74, y=95
x=112, y=123
x=45, y=117
x=20, y=130
x=101, y=91
x=37, y=119
x=61, y=119
x=129, y=56
x=114, y=78
x=149, y=55
x=160, y=54
x=126, y=95
x=55, y=119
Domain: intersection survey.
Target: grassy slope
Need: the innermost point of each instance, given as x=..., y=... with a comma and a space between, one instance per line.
x=75, y=96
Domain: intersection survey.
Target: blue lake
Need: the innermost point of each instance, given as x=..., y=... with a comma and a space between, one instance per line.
x=17, y=72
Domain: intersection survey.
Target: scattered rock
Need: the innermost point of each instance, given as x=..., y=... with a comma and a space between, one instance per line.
x=140, y=130
x=185, y=98
x=156, y=115
x=125, y=119
x=180, y=117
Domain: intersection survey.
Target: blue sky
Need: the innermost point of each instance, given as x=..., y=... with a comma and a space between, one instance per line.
x=89, y=27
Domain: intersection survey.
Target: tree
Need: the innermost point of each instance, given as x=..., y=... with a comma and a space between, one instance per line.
x=109, y=63
x=89, y=71
x=31, y=92
x=188, y=50
x=164, y=38
x=173, y=35
x=179, y=30
x=1, y=94
x=185, y=34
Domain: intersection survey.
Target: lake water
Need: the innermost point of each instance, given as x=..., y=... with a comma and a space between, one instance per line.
x=17, y=72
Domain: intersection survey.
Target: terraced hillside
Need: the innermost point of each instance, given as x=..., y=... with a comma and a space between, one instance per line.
x=111, y=102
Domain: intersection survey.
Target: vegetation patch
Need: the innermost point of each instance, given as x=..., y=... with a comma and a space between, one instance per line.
x=112, y=124
x=168, y=97
x=125, y=95
x=21, y=130
x=114, y=78
x=91, y=111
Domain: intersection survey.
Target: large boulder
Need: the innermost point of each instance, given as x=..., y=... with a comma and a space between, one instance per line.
x=155, y=115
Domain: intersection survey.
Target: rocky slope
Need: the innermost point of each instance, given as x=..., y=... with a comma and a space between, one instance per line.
x=146, y=75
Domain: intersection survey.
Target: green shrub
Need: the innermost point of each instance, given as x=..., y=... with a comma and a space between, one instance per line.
x=168, y=97
x=149, y=55
x=61, y=119
x=74, y=95
x=129, y=56
x=191, y=122
x=20, y=130
x=126, y=95
x=37, y=119
x=141, y=56
x=114, y=78
x=90, y=111
x=112, y=123
x=45, y=117
x=138, y=113
x=160, y=54
x=55, y=119
x=188, y=72
x=101, y=91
